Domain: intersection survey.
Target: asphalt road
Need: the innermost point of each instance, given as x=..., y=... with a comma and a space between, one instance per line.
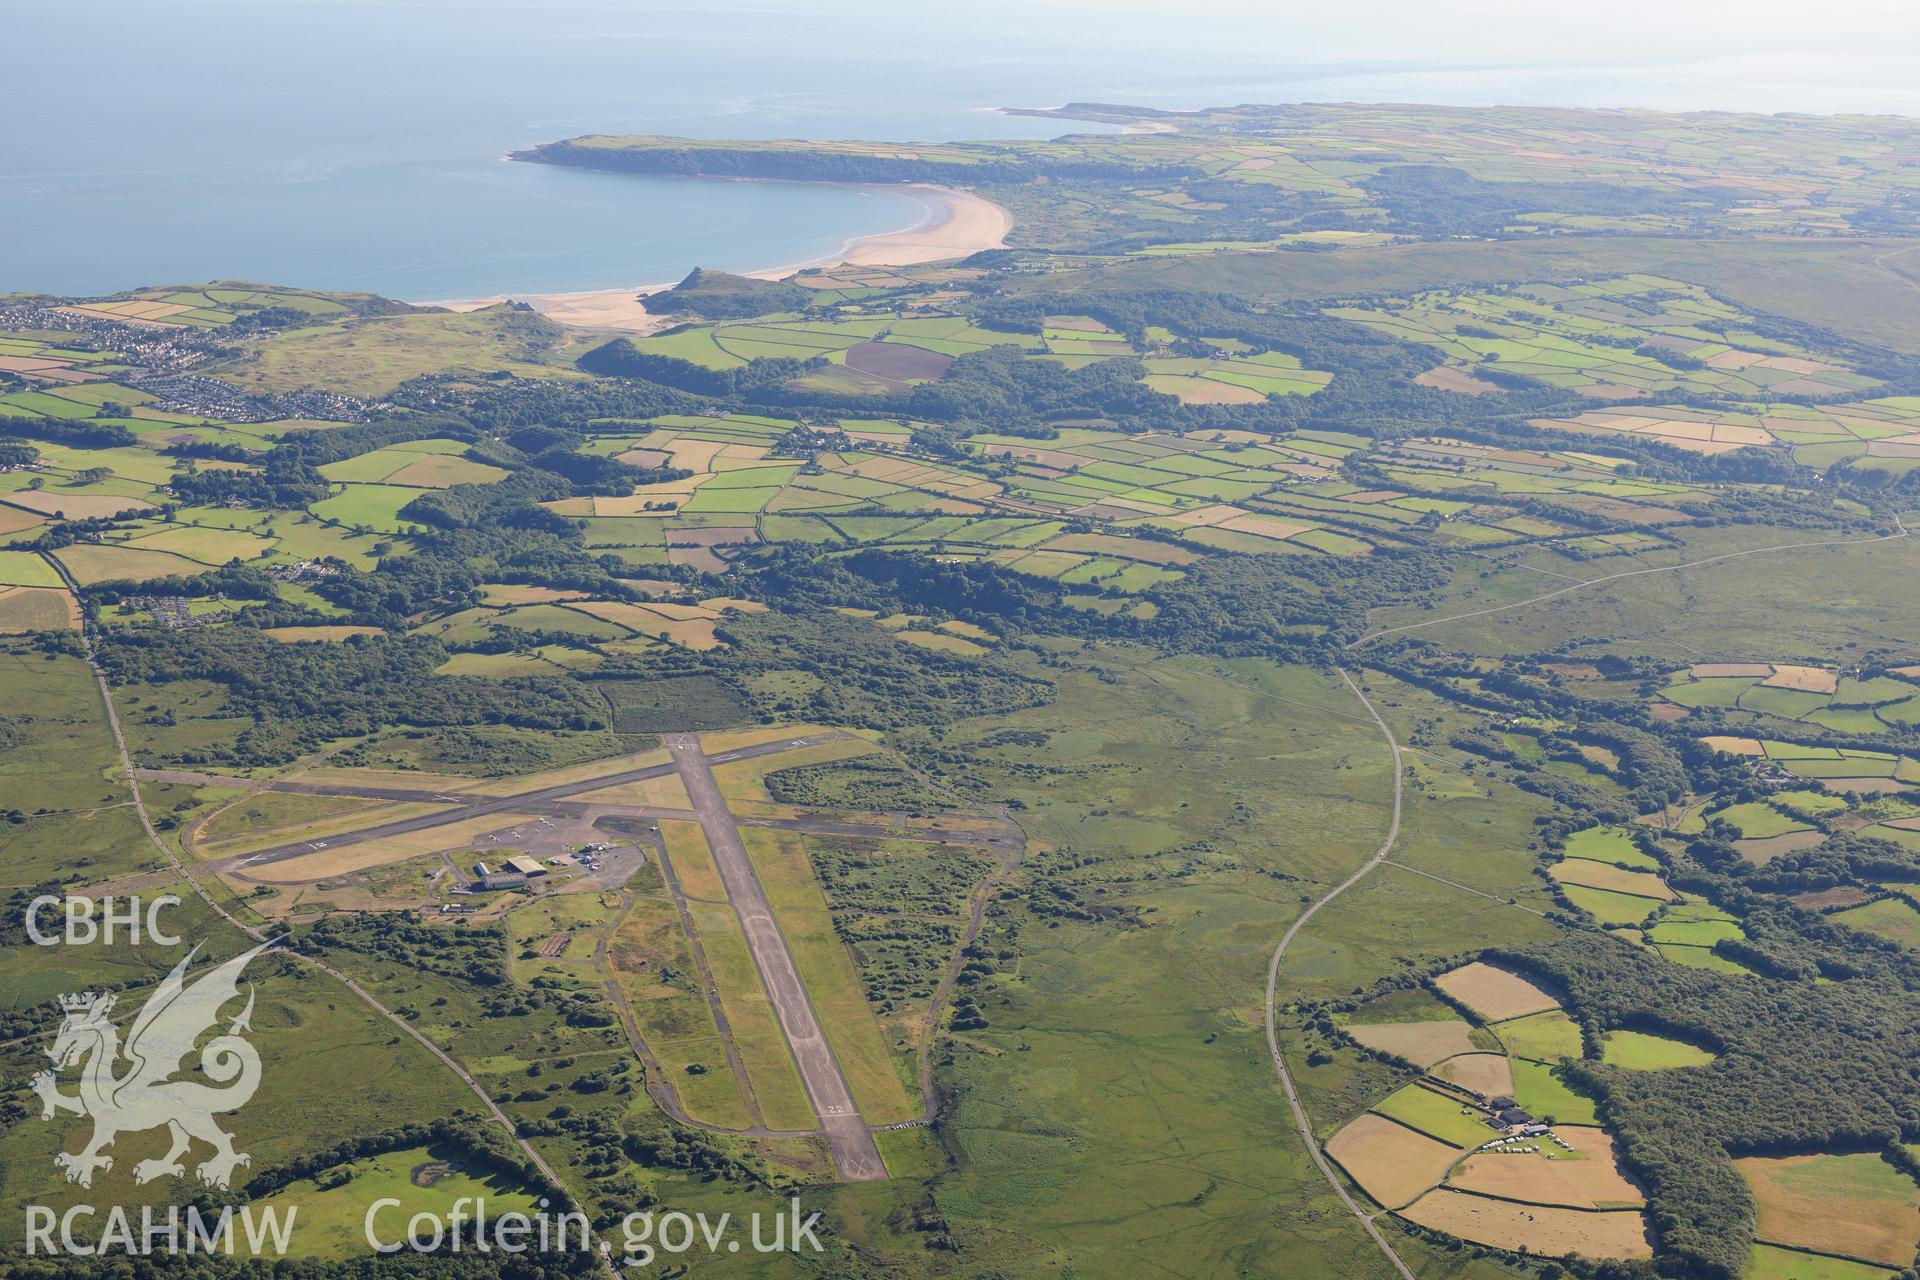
x=1300, y=1119
x=854, y=1152
x=253, y=931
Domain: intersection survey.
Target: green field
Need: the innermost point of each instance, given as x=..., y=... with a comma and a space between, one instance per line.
x=1254, y=606
x=1609, y=844
x=26, y=569
x=1770, y=1262
x=1757, y=820
x=1609, y=336
x=1640, y=1051
x=1608, y=907
x=1542, y=1037
x=314, y=1039
x=1889, y=918
x=1539, y=1089
x=1436, y=1114
x=367, y=506
x=332, y=1223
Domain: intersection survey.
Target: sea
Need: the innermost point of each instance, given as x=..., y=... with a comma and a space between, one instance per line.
x=360, y=144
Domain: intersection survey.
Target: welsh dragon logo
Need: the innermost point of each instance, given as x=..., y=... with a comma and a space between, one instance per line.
x=145, y=1095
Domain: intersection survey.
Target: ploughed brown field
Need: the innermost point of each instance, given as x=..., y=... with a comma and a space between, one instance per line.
x=1455, y=380
x=1856, y=1206
x=1421, y=1043
x=1595, y=1182
x=1538, y=1228
x=75, y=506
x=896, y=362
x=1391, y=1162
x=1487, y=1074
x=1495, y=994
x=37, y=609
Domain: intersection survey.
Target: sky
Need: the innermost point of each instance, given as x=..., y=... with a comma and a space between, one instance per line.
x=1752, y=55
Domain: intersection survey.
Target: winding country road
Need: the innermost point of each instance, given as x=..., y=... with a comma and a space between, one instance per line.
x=1381, y=856
x=180, y=868
x=1300, y=1119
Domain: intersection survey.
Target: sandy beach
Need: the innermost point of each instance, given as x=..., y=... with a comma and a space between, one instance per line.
x=955, y=223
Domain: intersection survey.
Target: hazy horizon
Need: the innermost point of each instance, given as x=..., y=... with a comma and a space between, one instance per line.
x=355, y=144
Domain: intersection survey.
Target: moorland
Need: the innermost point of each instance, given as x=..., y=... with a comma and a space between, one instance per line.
x=1347, y=704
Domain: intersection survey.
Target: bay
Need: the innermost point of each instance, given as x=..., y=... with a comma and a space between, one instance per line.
x=359, y=144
